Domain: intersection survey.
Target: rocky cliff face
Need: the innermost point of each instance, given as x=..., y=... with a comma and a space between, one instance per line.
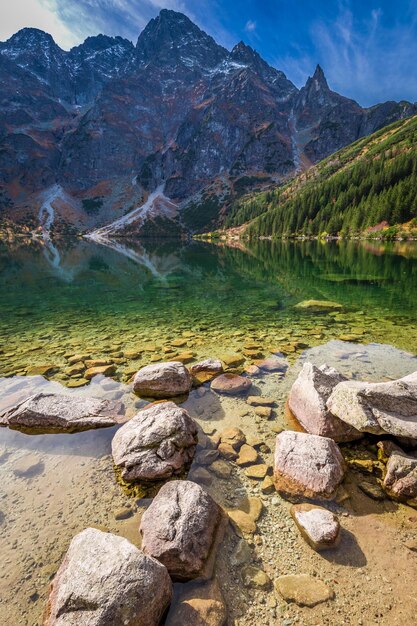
x=176, y=109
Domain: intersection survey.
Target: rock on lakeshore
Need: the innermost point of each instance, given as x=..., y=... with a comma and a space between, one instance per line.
x=307, y=465
x=157, y=443
x=55, y=413
x=106, y=581
x=303, y=590
x=318, y=526
x=162, y=380
x=400, y=480
x=202, y=605
x=378, y=407
x=307, y=401
x=231, y=384
x=179, y=529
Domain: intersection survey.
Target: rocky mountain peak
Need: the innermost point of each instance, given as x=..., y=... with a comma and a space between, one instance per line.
x=172, y=38
x=318, y=80
x=30, y=37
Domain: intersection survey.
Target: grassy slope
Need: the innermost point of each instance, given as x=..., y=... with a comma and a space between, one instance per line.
x=371, y=182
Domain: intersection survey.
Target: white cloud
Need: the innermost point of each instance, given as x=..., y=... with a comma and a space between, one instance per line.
x=365, y=59
x=250, y=26
x=41, y=14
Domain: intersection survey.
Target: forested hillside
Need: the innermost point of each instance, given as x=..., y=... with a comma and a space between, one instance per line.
x=371, y=184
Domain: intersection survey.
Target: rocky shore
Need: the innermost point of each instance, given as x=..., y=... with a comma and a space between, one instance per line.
x=223, y=508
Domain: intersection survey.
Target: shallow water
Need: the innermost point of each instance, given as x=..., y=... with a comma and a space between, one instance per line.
x=217, y=299
x=73, y=486
x=101, y=301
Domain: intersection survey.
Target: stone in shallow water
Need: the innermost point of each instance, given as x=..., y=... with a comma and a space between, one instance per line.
x=378, y=408
x=247, y=455
x=162, y=380
x=49, y=413
x=102, y=370
x=255, y=577
x=303, y=590
x=104, y=580
x=307, y=401
x=41, y=370
x=400, y=480
x=319, y=527
x=203, y=605
x=232, y=360
x=307, y=465
x=206, y=370
x=231, y=384
x=179, y=529
x=260, y=401
x=318, y=306
x=272, y=364
x=157, y=443
x=372, y=490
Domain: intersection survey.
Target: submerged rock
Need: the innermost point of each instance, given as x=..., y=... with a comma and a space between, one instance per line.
x=307, y=465
x=213, y=366
x=272, y=364
x=179, y=529
x=318, y=306
x=105, y=581
x=231, y=384
x=303, y=590
x=157, y=443
x=55, y=413
x=202, y=605
x=307, y=401
x=162, y=380
x=378, y=408
x=318, y=526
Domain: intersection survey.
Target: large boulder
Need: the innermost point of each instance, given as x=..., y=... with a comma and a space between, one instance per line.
x=159, y=442
x=162, y=380
x=307, y=465
x=307, y=401
x=106, y=581
x=400, y=480
x=378, y=408
x=180, y=530
x=56, y=413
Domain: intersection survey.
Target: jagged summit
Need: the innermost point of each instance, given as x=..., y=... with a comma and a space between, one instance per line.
x=176, y=110
x=172, y=38
x=318, y=80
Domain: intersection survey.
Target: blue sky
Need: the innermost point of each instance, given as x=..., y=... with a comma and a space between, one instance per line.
x=367, y=48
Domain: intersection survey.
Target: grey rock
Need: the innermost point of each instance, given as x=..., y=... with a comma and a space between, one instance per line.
x=307, y=465
x=180, y=528
x=208, y=365
x=319, y=527
x=162, y=380
x=307, y=401
x=55, y=413
x=400, y=480
x=157, y=443
x=106, y=581
x=378, y=408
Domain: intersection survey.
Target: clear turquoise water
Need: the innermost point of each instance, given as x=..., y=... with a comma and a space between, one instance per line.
x=97, y=297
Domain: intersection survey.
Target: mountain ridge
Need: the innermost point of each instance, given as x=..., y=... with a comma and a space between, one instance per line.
x=175, y=109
